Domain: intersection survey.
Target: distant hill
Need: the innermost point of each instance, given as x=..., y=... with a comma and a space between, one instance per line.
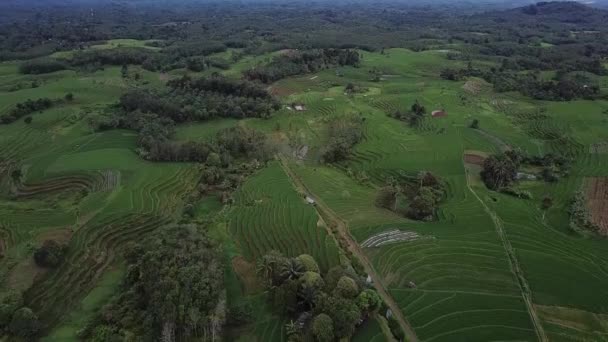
x=576, y=14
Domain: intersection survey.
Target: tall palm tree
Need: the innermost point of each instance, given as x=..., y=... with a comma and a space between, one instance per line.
x=291, y=328
x=292, y=269
x=307, y=296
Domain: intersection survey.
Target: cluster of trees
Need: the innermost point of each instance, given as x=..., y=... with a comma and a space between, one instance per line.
x=301, y=62
x=352, y=88
x=344, y=133
x=326, y=307
x=15, y=318
x=565, y=86
x=173, y=290
x=415, y=197
x=41, y=66
x=229, y=145
x=414, y=117
x=500, y=170
x=25, y=108
x=154, y=114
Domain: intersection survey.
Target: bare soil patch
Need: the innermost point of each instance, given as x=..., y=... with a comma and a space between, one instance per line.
x=280, y=91
x=245, y=270
x=60, y=235
x=597, y=202
x=473, y=86
x=163, y=76
x=24, y=274
x=475, y=158
x=438, y=113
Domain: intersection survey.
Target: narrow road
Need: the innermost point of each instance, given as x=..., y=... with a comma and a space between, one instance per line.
x=514, y=264
x=330, y=217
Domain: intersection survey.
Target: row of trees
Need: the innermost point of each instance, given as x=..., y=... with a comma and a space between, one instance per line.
x=565, y=86
x=302, y=62
x=415, y=197
x=41, y=66
x=173, y=290
x=154, y=114
x=327, y=307
x=25, y=108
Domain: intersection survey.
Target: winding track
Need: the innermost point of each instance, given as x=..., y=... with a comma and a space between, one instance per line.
x=329, y=215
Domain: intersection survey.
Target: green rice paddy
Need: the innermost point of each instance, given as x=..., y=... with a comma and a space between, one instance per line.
x=464, y=285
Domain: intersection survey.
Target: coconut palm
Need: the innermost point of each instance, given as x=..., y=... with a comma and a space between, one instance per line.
x=291, y=269
x=307, y=296
x=291, y=328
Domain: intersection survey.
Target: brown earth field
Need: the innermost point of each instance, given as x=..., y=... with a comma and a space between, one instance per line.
x=247, y=274
x=597, y=202
x=473, y=158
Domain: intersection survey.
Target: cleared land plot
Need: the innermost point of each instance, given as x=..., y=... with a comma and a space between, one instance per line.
x=597, y=202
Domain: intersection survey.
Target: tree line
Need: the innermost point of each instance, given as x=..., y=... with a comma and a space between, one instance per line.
x=296, y=62
x=154, y=115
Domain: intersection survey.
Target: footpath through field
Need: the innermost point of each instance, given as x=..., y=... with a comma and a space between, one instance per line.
x=329, y=216
x=514, y=264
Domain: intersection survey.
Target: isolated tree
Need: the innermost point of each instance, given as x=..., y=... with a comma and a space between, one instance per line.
x=24, y=323
x=28, y=120
x=16, y=175
x=323, y=328
x=69, y=97
x=498, y=171
x=475, y=124
x=386, y=197
x=50, y=254
x=547, y=203
x=423, y=205
x=124, y=71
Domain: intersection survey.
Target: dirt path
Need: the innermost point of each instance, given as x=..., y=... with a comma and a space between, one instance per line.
x=329, y=216
x=514, y=265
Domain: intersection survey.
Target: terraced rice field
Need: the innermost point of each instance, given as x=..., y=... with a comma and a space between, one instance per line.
x=269, y=215
x=489, y=252
x=490, y=267
x=90, y=186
